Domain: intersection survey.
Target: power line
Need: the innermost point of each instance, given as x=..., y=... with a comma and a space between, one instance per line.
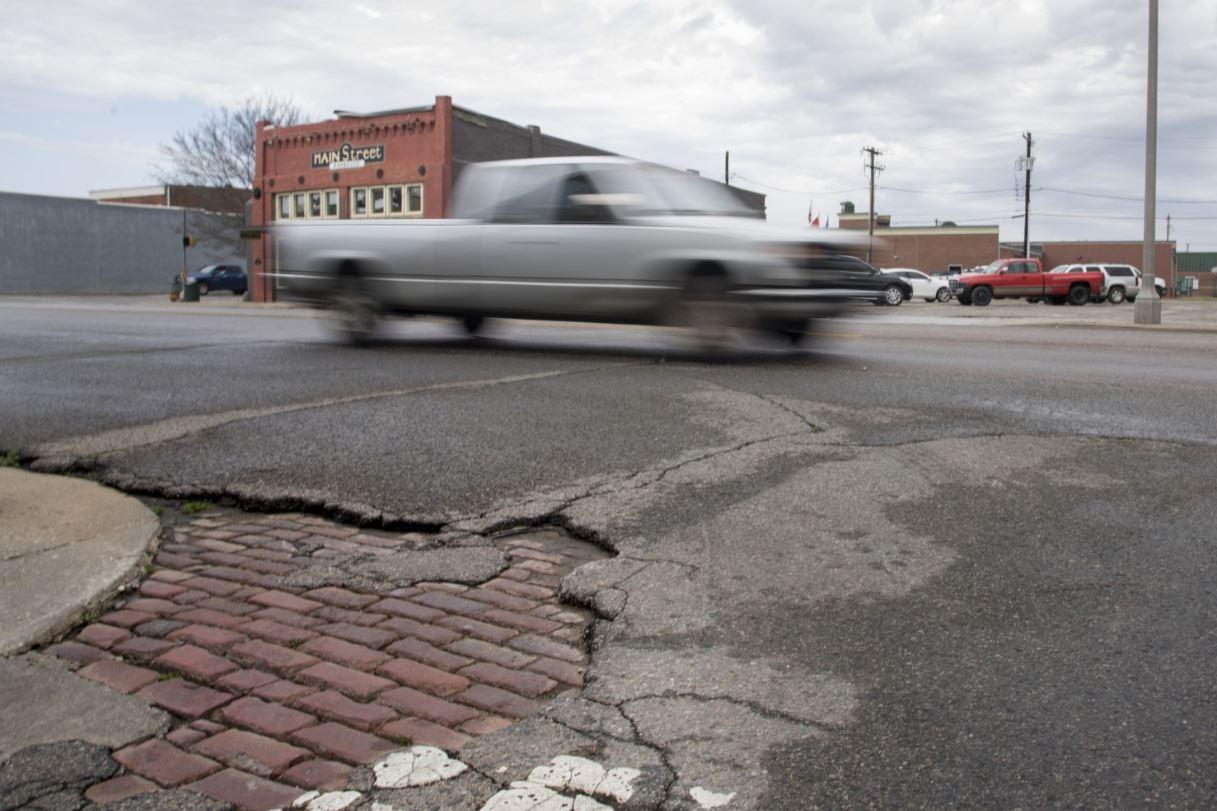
x=738, y=176
x=1106, y=196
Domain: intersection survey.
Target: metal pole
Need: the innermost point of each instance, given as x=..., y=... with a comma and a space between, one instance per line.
x=727, y=167
x=1027, y=203
x=1148, y=307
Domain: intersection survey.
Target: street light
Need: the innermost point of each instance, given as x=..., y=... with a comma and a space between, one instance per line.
x=1148, y=307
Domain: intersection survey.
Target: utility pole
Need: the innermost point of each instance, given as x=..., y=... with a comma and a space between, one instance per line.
x=1028, y=162
x=727, y=167
x=1148, y=307
x=871, y=153
x=1168, y=228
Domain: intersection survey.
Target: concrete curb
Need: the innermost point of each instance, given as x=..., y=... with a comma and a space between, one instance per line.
x=66, y=546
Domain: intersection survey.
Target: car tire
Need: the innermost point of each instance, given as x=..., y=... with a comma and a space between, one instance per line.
x=204, y=289
x=981, y=296
x=893, y=296
x=707, y=315
x=1116, y=295
x=1056, y=301
x=473, y=323
x=1033, y=300
x=1131, y=299
x=1078, y=295
x=354, y=314
x=965, y=299
x=943, y=295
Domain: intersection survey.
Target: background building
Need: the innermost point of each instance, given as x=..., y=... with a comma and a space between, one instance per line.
x=393, y=163
x=928, y=249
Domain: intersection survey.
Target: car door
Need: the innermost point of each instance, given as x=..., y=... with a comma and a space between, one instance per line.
x=923, y=286
x=552, y=249
x=1021, y=279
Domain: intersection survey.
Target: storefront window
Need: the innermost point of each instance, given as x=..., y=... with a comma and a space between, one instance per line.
x=298, y=207
x=359, y=202
x=395, y=201
x=414, y=198
x=331, y=203
x=378, y=201
x=285, y=206
x=314, y=204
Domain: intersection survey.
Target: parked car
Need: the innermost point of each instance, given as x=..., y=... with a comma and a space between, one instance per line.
x=1120, y=282
x=1025, y=278
x=865, y=281
x=926, y=287
x=219, y=277
x=588, y=238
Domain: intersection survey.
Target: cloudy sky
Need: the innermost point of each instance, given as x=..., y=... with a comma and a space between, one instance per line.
x=793, y=89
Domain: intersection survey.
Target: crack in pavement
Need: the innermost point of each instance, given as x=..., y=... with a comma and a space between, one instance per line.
x=175, y=428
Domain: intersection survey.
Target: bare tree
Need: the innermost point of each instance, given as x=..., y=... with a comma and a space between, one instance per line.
x=218, y=153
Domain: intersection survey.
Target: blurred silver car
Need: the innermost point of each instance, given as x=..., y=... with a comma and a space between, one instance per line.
x=598, y=239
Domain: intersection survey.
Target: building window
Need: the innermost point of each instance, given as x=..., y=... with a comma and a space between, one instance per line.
x=284, y=211
x=314, y=204
x=331, y=203
x=387, y=201
x=299, y=212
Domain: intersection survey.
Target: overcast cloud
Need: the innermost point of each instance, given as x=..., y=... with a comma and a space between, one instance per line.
x=793, y=89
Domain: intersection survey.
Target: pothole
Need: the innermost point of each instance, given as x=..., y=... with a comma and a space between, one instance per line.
x=279, y=686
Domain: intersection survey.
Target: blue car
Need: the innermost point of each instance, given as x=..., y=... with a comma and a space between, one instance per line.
x=219, y=277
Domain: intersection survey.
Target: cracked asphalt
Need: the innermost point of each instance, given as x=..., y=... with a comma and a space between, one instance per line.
x=919, y=564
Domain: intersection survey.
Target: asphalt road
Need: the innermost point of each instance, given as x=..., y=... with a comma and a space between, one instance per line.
x=925, y=562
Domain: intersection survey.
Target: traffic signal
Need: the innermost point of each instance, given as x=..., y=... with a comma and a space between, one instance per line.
x=189, y=242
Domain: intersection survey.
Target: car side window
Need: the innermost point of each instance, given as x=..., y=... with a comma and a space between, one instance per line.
x=529, y=195
x=579, y=202
x=1094, y=269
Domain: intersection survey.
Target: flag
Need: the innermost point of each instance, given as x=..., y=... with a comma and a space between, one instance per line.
x=810, y=222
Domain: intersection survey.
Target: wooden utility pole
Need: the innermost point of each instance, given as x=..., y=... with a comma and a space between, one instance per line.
x=871, y=154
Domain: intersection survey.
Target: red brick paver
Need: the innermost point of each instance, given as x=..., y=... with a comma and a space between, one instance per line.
x=285, y=689
x=164, y=763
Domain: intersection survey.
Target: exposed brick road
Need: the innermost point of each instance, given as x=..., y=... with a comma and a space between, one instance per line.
x=276, y=690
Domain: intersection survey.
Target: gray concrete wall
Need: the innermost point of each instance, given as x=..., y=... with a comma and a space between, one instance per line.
x=65, y=245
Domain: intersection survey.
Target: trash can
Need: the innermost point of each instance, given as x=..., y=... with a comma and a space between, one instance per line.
x=190, y=292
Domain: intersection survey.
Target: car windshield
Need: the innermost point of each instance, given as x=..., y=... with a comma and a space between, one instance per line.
x=206, y=270
x=641, y=190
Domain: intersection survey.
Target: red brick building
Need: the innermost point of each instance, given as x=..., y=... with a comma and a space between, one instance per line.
x=1124, y=253
x=931, y=250
x=394, y=163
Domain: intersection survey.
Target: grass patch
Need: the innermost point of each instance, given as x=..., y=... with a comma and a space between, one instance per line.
x=158, y=510
x=168, y=675
x=9, y=459
x=192, y=507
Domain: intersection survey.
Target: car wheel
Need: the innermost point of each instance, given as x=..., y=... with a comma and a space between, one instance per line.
x=1056, y=301
x=707, y=314
x=1078, y=295
x=1131, y=299
x=353, y=311
x=791, y=332
x=238, y=292
x=1116, y=295
x=944, y=294
x=965, y=299
x=473, y=323
x=981, y=296
x=893, y=296
x=204, y=289
x=1033, y=301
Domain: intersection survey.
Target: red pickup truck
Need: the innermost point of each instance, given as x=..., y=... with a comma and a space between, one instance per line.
x=1025, y=278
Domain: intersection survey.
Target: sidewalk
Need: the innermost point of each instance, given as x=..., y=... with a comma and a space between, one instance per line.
x=66, y=545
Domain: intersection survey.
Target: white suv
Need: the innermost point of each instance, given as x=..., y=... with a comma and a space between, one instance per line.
x=1120, y=282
